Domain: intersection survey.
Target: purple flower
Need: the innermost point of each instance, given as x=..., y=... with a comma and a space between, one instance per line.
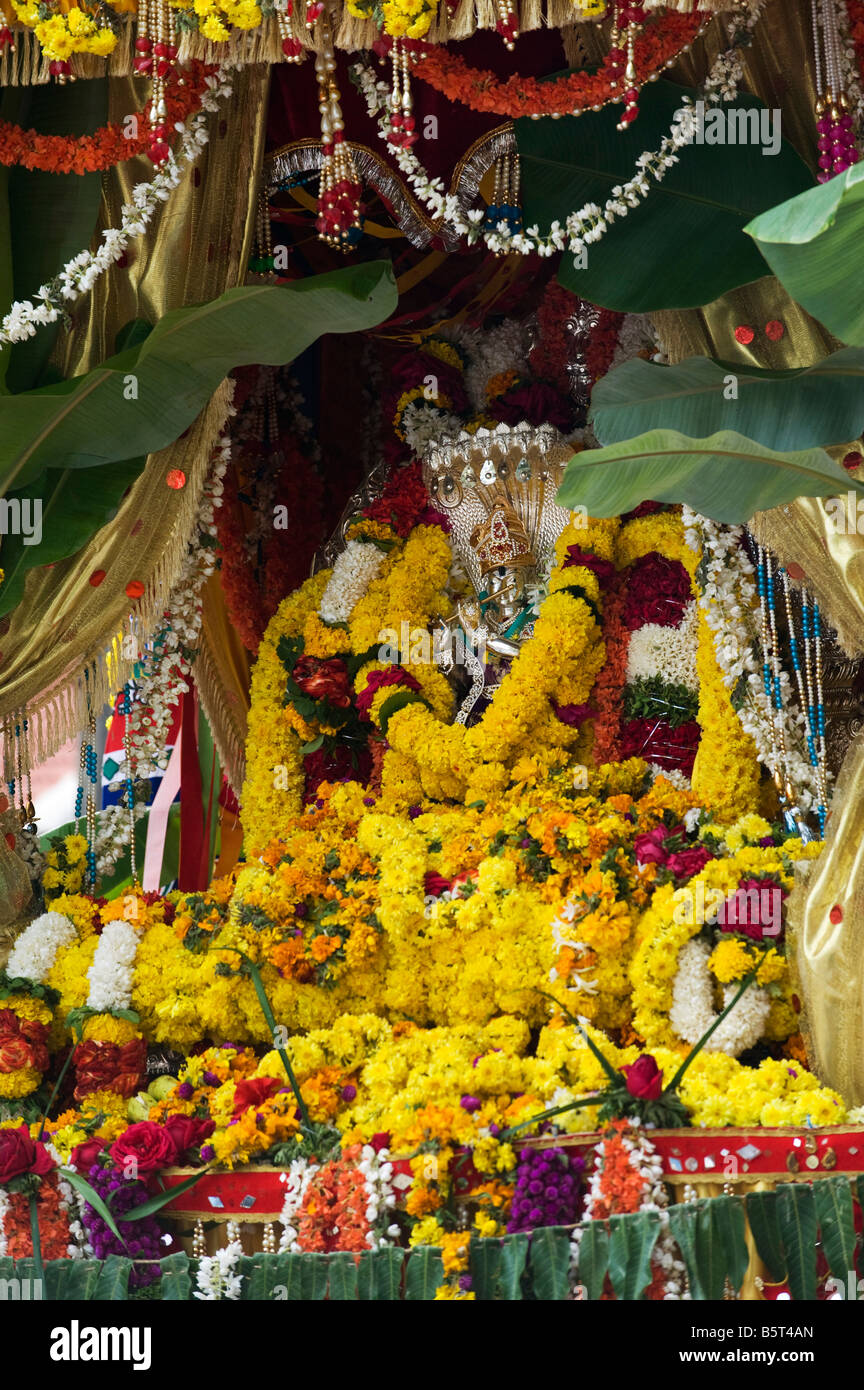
x=207, y=1152
x=349, y=1092
x=414, y=812
x=301, y=910
x=470, y=1103
x=185, y=1090
x=211, y=1078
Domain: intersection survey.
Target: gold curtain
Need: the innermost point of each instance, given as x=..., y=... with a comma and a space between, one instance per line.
x=826, y=911
x=197, y=247
x=199, y=243
x=66, y=624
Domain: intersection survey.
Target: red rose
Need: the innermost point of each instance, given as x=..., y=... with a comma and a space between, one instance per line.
x=20, y=1154
x=658, y=590
x=436, y=884
x=188, y=1133
x=572, y=715
x=687, y=862
x=324, y=680
x=9, y=1025
x=108, y=1066
x=393, y=675
x=254, y=1093
x=644, y=1078
x=755, y=909
x=656, y=742
x=586, y=559
x=15, y=1052
x=147, y=1145
x=649, y=847
x=84, y=1155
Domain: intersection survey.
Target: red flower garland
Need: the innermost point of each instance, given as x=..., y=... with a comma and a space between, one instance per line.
x=662, y=41
x=91, y=154
x=609, y=685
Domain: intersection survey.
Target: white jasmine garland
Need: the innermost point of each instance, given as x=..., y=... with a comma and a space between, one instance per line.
x=82, y=271
x=296, y=1180
x=590, y=223
x=729, y=602
x=693, y=1011
x=355, y=568
x=34, y=952
x=580, y=229
x=72, y=1203
x=381, y=1184
x=216, y=1279
x=111, y=974
x=667, y=652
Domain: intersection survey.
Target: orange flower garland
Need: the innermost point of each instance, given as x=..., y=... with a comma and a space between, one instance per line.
x=661, y=43
x=91, y=154
x=609, y=686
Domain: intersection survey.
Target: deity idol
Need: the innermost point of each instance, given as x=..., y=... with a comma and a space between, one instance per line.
x=497, y=488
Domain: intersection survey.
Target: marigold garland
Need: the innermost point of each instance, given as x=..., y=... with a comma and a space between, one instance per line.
x=662, y=41
x=108, y=146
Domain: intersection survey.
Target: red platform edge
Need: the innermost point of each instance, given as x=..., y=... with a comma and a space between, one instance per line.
x=705, y=1155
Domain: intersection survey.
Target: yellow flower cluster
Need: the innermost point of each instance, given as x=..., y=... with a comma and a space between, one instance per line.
x=217, y=18
x=63, y=35
x=273, y=790
x=64, y=869
x=716, y=1089
x=677, y=915
x=399, y=18
x=556, y=667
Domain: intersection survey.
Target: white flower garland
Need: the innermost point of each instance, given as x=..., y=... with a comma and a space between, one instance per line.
x=693, y=1012
x=72, y=1202
x=33, y=954
x=81, y=273
x=355, y=568
x=296, y=1180
x=216, y=1279
x=590, y=223
x=667, y=652
x=112, y=973
x=728, y=600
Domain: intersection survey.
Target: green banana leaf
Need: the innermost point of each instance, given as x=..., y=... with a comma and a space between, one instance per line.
x=142, y=399
x=51, y=438
x=73, y=510
x=52, y=216
x=812, y=243
x=726, y=476
x=684, y=245
x=798, y=409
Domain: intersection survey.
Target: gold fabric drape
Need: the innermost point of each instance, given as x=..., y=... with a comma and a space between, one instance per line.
x=65, y=625
x=828, y=955
x=222, y=677
x=196, y=248
x=826, y=916
x=199, y=243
